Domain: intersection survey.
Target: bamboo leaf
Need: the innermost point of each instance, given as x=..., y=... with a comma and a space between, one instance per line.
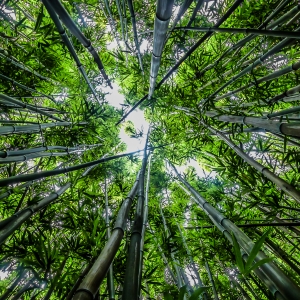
x=238, y=255
x=198, y=292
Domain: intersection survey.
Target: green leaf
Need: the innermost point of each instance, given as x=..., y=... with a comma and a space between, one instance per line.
x=258, y=264
x=238, y=255
x=198, y=292
x=168, y=297
x=182, y=292
x=256, y=249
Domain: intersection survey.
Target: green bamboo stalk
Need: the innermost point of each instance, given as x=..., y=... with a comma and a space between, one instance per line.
x=67, y=20
x=24, y=87
x=121, y=19
x=110, y=274
x=31, y=128
x=197, y=8
x=161, y=23
x=242, y=291
x=285, y=224
x=136, y=40
x=28, y=106
x=131, y=279
x=90, y=284
x=271, y=275
x=291, y=129
x=184, y=57
x=287, y=93
x=40, y=175
x=274, y=33
x=211, y=279
x=68, y=43
x=249, y=288
x=291, y=68
x=283, y=112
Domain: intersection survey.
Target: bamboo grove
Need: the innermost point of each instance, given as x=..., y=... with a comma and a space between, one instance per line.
x=207, y=207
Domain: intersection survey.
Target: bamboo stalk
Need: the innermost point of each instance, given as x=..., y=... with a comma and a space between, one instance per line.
x=90, y=284
x=270, y=273
x=242, y=291
x=135, y=35
x=40, y=175
x=287, y=224
x=273, y=33
x=161, y=23
x=110, y=274
x=184, y=57
x=283, y=112
x=197, y=8
x=211, y=279
x=69, y=23
x=282, y=184
x=131, y=279
x=11, y=288
x=121, y=19
x=68, y=44
x=291, y=129
x=287, y=93
x=28, y=106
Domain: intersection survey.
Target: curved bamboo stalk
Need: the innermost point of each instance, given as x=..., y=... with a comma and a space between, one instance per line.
x=135, y=35
x=90, y=284
x=131, y=279
x=69, y=45
x=291, y=68
x=67, y=20
x=28, y=106
x=274, y=33
x=110, y=274
x=161, y=23
x=44, y=174
x=269, y=273
x=282, y=184
x=291, y=129
x=184, y=57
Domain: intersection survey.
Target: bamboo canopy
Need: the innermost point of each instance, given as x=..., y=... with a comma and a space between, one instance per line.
x=92, y=206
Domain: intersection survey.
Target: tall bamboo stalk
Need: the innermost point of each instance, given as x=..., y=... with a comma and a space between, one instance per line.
x=28, y=106
x=211, y=279
x=184, y=57
x=68, y=43
x=69, y=23
x=161, y=23
x=131, y=280
x=242, y=291
x=90, y=284
x=282, y=184
x=110, y=273
x=270, y=273
x=135, y=35
x=40, y=175
x=291, y=129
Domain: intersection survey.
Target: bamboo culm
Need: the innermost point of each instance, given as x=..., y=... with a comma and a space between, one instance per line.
x=161, y=23
x=90, y=284
x=211, y=279
x=69, y=23
x=282, y=184
x=28, y=106
x=68, y=44
x=290, y=129
x=269, y=273
x=131, y=279
x=184, y=57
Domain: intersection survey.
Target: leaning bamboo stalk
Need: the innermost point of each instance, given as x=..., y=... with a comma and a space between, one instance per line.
x=69, y=23
x=292, y=68
x=11, y=288
x=186, y=56
x=90, y=284
x=24, y=87
x=287, y=93
x=131, y=280
x=110, y=274
x=242, y=291
x=69, y=45
x=161, y=23
x=28, y=106
x=283, y=112
x=197, y=8
x=135, y=35
x=271, y=275
x=211, y=279
x=291, y=129
x=273, y=33
x=285, y=42
x=282, y=184
x=31, y=128
x=145, y=221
